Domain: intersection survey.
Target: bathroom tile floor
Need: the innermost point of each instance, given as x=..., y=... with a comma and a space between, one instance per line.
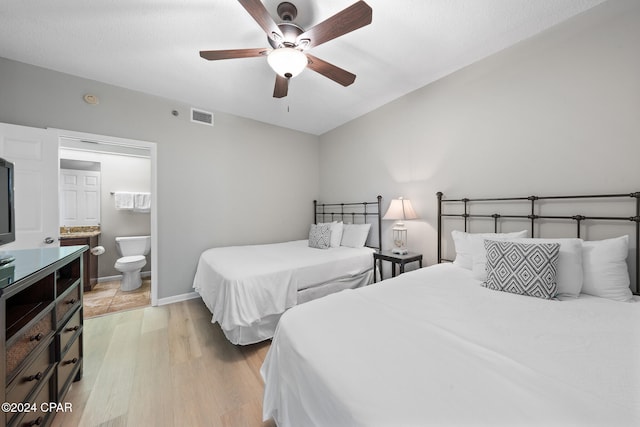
x=106, y=297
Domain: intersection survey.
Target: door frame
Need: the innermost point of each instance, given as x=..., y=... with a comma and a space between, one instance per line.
x=125, y=142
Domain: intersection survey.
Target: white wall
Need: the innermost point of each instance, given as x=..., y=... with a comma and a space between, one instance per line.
x=555, y=114
x=239, y=182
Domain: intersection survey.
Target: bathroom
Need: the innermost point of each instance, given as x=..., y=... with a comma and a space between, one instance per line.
x=111, y=170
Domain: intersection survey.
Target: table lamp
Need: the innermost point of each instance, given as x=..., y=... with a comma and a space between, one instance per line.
x=400, y=210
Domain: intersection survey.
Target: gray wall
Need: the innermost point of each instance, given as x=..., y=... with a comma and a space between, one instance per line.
x=555, y=114
x=239, y=182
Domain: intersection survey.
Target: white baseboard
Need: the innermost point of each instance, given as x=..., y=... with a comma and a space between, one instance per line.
x=143, y=274
x=178, y=298
x=161, y=301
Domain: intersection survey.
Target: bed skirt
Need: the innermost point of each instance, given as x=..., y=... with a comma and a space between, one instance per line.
x=264, y=328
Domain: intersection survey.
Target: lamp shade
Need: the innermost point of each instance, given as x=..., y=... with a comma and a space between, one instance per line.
x=287, y=61
x=400, y=209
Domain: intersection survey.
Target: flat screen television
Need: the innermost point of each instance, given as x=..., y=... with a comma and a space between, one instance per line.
x=7, y=210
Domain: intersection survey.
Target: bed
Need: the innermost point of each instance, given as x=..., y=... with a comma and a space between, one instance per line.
x=247, y=288
x=436, y=347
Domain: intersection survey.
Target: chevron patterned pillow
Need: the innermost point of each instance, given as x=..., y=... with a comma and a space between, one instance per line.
x=320, y=236
x=522, y=268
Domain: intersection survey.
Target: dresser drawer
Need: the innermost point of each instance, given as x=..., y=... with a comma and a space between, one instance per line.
x=68, y=364
x=31, y=376
x=68, y=331
x=27, y=342
x=68, y=302
x=37, y=417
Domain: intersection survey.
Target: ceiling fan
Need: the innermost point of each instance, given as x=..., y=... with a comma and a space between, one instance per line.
x=289, y=42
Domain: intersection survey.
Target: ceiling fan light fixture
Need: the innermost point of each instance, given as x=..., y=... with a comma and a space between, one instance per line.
x=287, y=61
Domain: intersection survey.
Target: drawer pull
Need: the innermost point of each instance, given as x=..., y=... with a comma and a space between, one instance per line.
x=36, y=422
x=72, y=361
x=72, y=301
x=37, y=376
x=36, y=337
x=75, y=328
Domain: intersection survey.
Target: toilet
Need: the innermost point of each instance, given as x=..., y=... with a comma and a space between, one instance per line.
x=133, y=250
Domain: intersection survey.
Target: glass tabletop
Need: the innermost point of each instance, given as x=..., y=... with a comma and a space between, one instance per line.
x=30, y=261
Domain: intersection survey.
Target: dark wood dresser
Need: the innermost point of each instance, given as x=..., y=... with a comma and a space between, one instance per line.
x=41, y=332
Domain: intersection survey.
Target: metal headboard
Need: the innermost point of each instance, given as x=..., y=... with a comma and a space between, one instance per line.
x=351, y=212
x=534, y=217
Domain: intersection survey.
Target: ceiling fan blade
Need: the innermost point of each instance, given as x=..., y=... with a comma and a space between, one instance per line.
x=257, y=10
x=355, y=16
x=213, y=55
x=328, y=70
x=282, y=87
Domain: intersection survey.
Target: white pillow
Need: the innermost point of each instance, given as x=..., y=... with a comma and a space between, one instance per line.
x=355, y=235
x=463, y=249
x=569, y=276
x=462, y=242
x=605, y=268
x=336, y=232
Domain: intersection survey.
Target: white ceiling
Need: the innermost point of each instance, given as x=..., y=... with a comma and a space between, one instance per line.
x=153, y=46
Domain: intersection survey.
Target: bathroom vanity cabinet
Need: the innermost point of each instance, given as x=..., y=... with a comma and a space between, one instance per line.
x=90, y=261
x=41, y=332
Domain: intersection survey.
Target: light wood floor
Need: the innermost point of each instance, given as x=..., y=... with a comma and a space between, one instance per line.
x=165, y=366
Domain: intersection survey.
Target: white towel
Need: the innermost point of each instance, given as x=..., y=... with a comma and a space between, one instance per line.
x=123, y=200
x=142, y=202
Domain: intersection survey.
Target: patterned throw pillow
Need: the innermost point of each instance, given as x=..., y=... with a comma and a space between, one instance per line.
x=320, y=236
x=522, y=268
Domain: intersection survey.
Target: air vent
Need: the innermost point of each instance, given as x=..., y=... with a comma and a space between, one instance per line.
x=203, y=117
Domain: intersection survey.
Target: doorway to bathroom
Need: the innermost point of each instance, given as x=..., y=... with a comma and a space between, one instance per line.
x=93, y=169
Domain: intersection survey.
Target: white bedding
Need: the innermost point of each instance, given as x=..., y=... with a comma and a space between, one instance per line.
x=242, y=285
x=433, y=347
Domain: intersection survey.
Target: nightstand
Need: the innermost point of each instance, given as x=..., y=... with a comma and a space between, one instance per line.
x=394, y=259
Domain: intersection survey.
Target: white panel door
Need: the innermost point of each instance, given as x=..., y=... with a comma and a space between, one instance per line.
x=34, y=153
x=80, y=197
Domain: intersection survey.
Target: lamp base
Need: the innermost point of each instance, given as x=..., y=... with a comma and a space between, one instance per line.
x=399, y=251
